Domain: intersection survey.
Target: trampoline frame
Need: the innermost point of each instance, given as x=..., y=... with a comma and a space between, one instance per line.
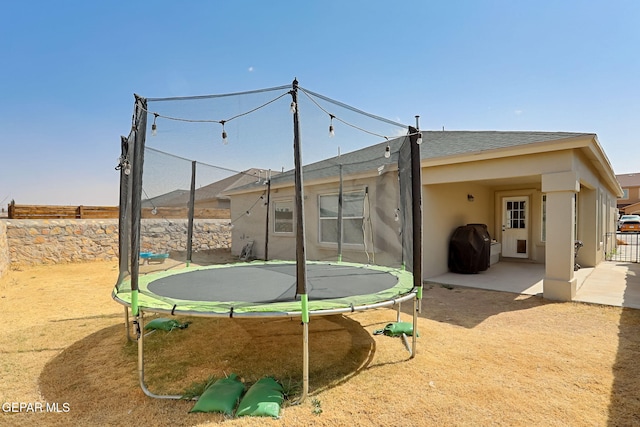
x=131, y=191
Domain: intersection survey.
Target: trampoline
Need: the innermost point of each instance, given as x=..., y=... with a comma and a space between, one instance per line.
x=158, y=214
x=269, y=289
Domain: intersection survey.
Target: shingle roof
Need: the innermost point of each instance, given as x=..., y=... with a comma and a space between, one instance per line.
x=435, y=144
x=447, y=143
x=629, y=180
x=212, y=191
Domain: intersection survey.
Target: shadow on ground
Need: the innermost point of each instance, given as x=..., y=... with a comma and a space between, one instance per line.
x=102, y=367
x=624, y=409
x=468, y=307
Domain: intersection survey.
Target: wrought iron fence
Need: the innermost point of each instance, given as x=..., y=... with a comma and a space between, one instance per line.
x=622, y=247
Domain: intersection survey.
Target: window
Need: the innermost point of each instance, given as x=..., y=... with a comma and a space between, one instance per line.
x=516, y=213
x=352, y=218
x=283, y=216
x=625, y=193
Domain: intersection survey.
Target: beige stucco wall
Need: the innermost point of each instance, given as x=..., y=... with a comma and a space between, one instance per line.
x=517, y=167
x=383, y=240
x=557, y=175
x=446, y=207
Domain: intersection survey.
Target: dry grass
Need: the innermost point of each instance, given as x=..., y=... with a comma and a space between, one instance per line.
x=484, y=358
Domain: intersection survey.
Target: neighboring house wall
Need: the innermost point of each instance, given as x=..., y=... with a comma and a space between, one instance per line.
x=629, y=203
x=213, y=203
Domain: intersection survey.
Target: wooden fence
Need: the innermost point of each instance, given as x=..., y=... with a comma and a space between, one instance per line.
x=106, y=212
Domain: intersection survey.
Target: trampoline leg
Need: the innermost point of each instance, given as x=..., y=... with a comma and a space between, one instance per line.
x=305, y=361
x=415, y=328
x=139, y=321
x=398, y=312
x=126, y=324
x=411, y=348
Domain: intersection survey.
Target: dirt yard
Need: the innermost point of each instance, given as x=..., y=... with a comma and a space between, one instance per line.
x=483, y=359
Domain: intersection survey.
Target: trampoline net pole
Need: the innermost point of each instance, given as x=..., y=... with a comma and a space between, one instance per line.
x=340, y=203
x=301, y=267
x=192, y=201
x=140, y=125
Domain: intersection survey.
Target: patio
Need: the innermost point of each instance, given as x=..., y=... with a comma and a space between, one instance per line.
x=610, y=283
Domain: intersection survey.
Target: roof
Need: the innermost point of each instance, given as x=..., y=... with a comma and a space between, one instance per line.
x=212, y=191
x=448, y=143
x=436, y=144
x=629, y=180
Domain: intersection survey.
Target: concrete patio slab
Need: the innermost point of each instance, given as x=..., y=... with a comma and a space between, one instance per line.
x=610, y=283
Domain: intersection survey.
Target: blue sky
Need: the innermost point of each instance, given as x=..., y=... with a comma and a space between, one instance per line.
x=69, y=70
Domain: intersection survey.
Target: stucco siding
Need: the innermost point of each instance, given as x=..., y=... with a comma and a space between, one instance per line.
x=511, y=168
x=446, y=207
x=382, y=238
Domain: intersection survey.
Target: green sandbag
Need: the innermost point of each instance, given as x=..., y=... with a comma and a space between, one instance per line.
x=396, y=329
x=263, y=399
x=165, y=324
x=221, y=396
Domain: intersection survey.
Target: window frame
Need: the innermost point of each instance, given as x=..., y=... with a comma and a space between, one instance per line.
x=360, y=217
x=274, y=223
x=625, y=194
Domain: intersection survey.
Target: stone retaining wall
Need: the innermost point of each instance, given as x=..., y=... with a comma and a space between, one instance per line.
x=4, y=249
x=31, y=242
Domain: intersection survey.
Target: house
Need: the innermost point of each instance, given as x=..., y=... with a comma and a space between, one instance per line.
x=208, y=196
x=629, y=203
x=537, y=193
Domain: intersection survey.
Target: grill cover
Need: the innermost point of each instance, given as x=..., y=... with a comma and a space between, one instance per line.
x=470, y=249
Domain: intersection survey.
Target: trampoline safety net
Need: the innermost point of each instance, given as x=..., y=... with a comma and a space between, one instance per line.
x=217, y=183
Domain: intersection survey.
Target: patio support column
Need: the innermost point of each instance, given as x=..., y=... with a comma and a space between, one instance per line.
x=559, y=280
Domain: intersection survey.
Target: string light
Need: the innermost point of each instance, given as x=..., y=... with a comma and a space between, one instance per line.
x=224, y=133
x=419, y=140
x=396, y=217
x=292, y=108
x=154, y=127
x=331, y=132
x=387, y=152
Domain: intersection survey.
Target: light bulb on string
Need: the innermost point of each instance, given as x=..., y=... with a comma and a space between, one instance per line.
x=396, y=217
x=224, y=133
x=127, y=168
x=292, y=107
x=154, y=127
x=419, y=140
x=387, y=152
x=331, y=131
x=248, y=213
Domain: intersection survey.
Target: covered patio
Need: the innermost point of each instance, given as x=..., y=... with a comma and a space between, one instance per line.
x=609, y=283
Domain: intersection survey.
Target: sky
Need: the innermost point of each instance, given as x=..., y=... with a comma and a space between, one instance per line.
x=69, y=70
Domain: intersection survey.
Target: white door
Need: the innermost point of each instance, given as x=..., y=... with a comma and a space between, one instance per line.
x=515, y=227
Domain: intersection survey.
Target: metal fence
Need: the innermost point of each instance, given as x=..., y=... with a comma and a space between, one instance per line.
x=622, y=247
